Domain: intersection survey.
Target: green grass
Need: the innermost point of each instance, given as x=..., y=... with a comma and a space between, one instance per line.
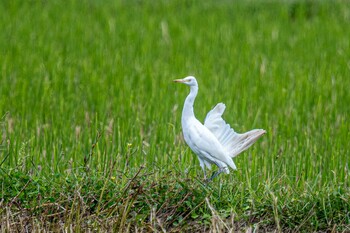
x=90, y=118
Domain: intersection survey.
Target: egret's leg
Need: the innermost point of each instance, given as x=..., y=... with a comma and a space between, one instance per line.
x=205, y=174
x=216, y=173
x=201, y=163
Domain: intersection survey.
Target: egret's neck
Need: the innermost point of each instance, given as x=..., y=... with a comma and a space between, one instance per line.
x=187, y=111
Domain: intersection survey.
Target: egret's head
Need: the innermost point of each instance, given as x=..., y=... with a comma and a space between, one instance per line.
x=190, y=81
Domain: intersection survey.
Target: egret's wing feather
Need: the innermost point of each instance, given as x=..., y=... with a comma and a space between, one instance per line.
x=202, y=141
x=233, y=142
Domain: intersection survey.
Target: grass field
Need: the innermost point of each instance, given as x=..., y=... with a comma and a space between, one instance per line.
x=90, y=118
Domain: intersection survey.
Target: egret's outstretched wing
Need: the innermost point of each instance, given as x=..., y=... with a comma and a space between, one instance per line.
x=233, y=142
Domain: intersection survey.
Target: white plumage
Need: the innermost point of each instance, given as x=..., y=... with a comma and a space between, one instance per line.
x=215, y=142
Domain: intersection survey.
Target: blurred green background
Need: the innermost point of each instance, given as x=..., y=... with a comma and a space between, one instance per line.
x=71, y=69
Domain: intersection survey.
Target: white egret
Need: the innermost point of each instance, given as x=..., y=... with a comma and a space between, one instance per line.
x=215, y=142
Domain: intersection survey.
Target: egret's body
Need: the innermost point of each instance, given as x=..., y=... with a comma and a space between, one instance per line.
x=214, y=142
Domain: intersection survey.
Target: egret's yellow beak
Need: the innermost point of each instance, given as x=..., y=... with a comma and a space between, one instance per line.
x=180, y=80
